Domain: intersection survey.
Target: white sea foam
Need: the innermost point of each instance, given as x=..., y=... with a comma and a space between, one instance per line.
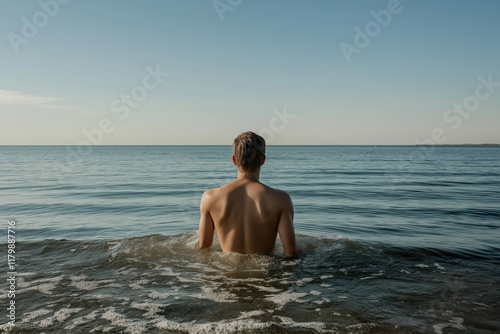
x=22, y=283
x=126, y=271
x=117, y=319
x=102, y=329
x=286, y=297
x=193, y=279
x=59, y=316
x=167, y=271
x=160, y=295
x=92, y=316
x=249, y=314
x=322, y=301
x=101, y=296
x=291, y=263
x=85, y=285
x=30, y=316
x=137, y=286
x=318, y=326
x=372, y=276
x=77, y=322
x=45, y=288
x=250, y=279
x=82, y=320
x=113, y=244
x=92, y=285
x=303, y=281
x=151, y=308
x=361, y=326
x=219, y=296
x=439, y=266
x=199, y=266
x=6, y=328
x=454, y=323
x=265, y=288
x=78, y=278
x=234, y=326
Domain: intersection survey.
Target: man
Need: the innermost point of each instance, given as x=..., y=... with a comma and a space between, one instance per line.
x=246, y=214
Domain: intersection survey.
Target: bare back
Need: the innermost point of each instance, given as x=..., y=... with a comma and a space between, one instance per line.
x=247, y=216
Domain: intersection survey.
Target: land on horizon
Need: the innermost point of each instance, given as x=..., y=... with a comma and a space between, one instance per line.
x=188, y=145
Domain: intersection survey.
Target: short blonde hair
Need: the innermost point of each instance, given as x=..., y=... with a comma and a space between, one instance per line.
x=249, y=149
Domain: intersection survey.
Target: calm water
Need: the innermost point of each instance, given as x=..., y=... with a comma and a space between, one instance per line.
x=397, y=240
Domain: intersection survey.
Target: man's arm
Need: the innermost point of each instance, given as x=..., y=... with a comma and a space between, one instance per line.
x=286, y=230
x=206, y=230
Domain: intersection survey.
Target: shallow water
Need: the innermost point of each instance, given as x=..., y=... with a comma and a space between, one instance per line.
x=163, y=283
x=396, y=240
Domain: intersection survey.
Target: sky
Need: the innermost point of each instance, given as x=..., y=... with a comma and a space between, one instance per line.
x=297, y=72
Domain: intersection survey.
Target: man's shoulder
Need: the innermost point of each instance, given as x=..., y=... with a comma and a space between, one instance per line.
x=211, y=193
x=277, y=193
x=216, y=193
x=274, y=190
x=209, y=196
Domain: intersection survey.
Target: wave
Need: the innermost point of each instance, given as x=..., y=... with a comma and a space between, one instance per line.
x=183, y=247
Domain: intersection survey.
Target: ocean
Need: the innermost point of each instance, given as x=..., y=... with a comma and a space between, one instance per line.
x=401, y=239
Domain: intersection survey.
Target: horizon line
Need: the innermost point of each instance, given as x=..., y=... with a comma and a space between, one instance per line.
x=222, y=145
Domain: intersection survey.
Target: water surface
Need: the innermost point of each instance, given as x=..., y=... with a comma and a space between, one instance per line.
x=396, y=240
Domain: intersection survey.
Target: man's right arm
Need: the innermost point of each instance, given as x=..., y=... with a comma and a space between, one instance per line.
x=206, y=228
x=285, y=228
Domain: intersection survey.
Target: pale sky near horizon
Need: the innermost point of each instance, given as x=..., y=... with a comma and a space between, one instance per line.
x=298, y=72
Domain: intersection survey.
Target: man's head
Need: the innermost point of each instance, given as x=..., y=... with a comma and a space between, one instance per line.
x=249, y=151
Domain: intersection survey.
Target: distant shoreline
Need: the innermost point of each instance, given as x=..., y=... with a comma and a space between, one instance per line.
x=459, y=145
x=290, y=145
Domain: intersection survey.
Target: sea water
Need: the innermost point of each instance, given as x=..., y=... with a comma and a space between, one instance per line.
x=395, y=240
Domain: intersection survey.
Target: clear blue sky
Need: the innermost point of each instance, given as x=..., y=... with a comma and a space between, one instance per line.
x=264, y=58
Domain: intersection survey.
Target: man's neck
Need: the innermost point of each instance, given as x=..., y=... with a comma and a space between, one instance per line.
x=251, y=176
